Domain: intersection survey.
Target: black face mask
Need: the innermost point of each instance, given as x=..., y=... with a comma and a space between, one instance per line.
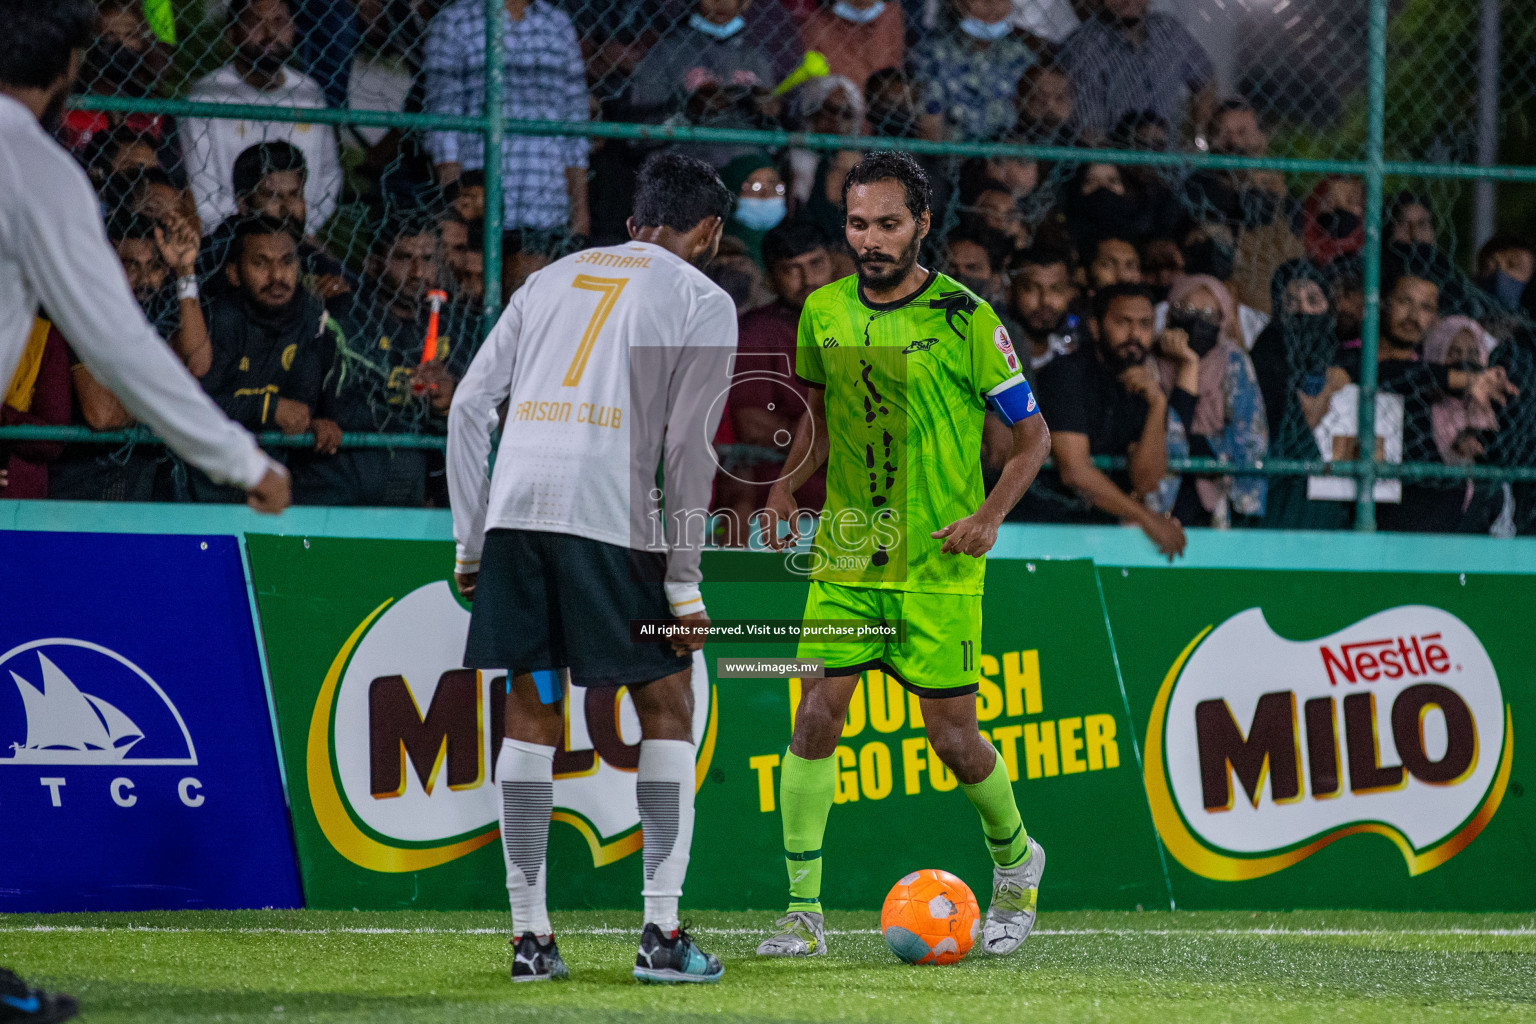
x=1309, y=341
x=111, y=67
x=1209, y=256
x=1339, y=223
x=1203, y=334
x=1106, y=214
x=895, y=123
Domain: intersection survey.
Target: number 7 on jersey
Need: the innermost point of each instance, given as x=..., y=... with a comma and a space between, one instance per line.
x=610, y=288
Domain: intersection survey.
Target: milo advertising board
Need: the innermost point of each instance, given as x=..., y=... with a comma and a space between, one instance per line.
x=1331, y=739
x=390, y=746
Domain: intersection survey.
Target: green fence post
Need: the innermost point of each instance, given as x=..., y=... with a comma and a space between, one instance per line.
x=1365, y=506
x=495, y=134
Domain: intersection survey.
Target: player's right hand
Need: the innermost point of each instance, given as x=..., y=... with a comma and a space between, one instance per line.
x=1166, y=532
x=272, y=493
x=779, y=508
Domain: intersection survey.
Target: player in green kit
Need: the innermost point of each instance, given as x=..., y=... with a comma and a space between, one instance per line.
x=901, y=362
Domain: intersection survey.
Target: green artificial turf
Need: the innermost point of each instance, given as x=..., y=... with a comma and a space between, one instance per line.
x=167, y=968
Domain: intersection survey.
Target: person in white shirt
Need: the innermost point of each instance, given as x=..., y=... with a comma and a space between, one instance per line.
x=262, y=35
x=54, y=253
x=611, y=364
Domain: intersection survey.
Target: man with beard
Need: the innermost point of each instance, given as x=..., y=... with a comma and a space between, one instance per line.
x=261, y=34
x=901, y=363
x=269, y=342
x=53, y=252
x=1040, y=291
x=1410, y=307
x=376, y=380
x=1105, y=399
x=610, y=365
x=269, y=180
x=159, y=270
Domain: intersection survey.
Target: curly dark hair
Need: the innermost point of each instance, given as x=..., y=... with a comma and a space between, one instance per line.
x=889, y=165
x=677, y=191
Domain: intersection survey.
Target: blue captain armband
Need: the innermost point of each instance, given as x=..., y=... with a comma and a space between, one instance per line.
x=1012, y=400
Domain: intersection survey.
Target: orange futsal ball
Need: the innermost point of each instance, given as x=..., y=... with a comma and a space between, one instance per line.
x=930, y=917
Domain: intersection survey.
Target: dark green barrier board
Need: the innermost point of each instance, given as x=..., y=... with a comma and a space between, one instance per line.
x=1239, y=738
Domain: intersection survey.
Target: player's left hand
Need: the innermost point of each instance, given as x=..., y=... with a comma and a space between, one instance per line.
x=466, y=581
x=693, y=640
x=972, y=536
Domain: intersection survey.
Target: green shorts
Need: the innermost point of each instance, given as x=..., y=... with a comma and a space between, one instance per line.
x=938, y=656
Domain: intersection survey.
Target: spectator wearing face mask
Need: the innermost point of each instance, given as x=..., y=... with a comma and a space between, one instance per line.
x=1209, y=249
x=1253, y=204
x=1292, y=359
x=1226, y=417
x=1504, y=267
x=1332, y=219
x=1126, y=58
x=977, y=257
x=1463, y=426
x=712, y=51
x=262, y=36
x=829, y=105
x=858, y=37
x=972, y=70
x=1103, y=200
x=1409, y=312
x=761, y=200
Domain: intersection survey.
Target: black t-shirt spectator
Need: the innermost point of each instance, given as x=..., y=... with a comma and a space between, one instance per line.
x=1079, y=394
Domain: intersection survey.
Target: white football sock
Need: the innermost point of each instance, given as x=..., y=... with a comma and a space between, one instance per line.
x=526, y=774
x=664, y=791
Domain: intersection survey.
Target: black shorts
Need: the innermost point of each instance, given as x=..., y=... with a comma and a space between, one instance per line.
x=552, y=600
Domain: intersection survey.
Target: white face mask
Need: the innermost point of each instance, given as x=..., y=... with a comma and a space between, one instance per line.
x=859, y=16
x=987, y=30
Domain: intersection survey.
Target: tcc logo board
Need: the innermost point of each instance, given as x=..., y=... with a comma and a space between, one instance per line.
x=137, y=765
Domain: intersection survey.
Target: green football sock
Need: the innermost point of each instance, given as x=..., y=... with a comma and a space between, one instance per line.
x=1000, y=822
x=805, y=796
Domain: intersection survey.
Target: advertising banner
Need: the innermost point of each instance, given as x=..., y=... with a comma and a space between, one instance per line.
x=137, y=768
x=390, y=745
x=1332, y=739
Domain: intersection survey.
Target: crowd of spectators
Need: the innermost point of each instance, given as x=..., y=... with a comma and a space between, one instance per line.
x=298, y=269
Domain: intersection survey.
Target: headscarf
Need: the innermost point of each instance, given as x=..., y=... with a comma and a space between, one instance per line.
x=1322, y=245
x=1229, y=410
x=734, y=175
x=1452, y=415
x=813, y=95
x=1309, y=343
x=1210, y=412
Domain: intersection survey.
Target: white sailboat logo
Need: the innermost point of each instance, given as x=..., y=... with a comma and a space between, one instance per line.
x=66, y=726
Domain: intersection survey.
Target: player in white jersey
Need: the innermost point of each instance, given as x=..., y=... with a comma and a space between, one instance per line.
x=610, y=363
x=54, y=252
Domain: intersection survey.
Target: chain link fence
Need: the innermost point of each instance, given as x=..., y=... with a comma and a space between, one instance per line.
x=1309, y=155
